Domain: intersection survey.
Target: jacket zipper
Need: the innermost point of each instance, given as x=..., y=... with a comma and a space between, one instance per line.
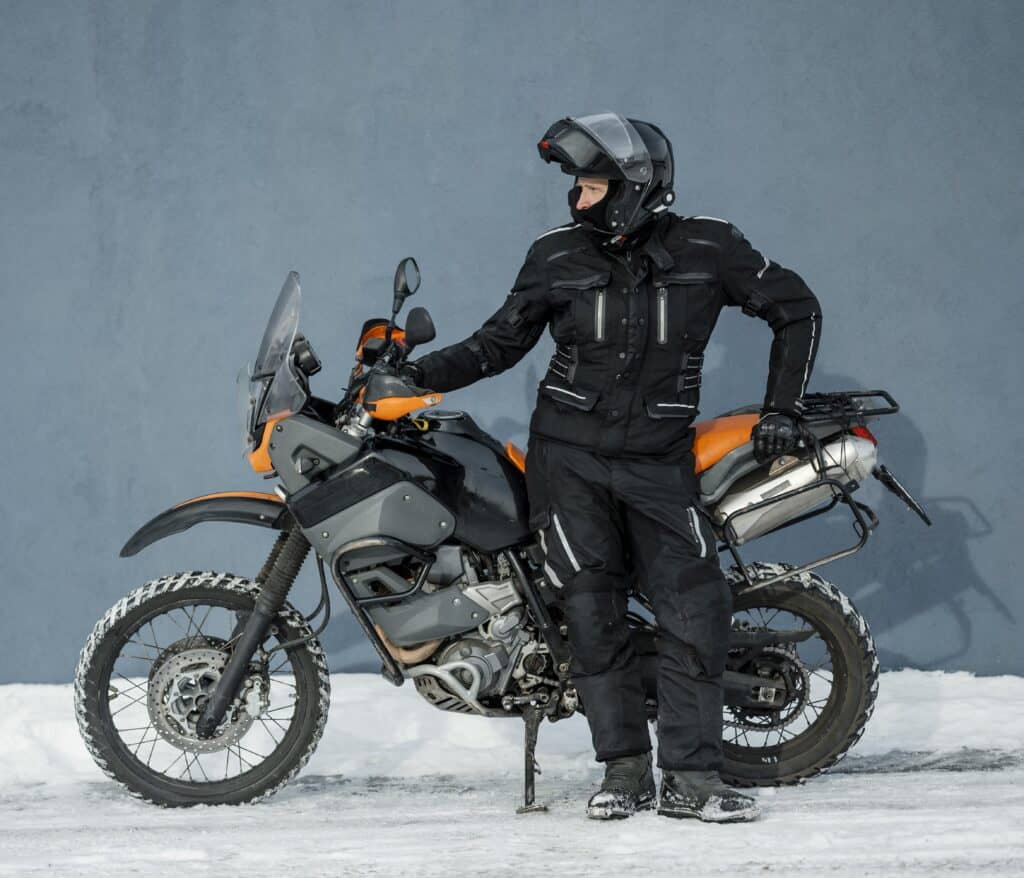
x=599, y=316
x=662, y=315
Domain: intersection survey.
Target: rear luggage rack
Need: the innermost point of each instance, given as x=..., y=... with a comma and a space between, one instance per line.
x=845, y=404
x=843, y=408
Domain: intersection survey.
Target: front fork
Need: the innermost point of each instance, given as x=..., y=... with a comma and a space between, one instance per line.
x=276, y=579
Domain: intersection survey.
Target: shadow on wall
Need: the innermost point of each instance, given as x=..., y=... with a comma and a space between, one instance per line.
x=910, y=581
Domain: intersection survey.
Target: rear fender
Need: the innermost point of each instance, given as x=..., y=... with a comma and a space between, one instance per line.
x=244, y=507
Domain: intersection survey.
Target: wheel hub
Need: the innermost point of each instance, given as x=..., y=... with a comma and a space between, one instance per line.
x=777, y=661
x=182, y=682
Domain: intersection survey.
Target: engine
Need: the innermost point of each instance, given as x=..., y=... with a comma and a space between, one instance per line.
x=497, y=662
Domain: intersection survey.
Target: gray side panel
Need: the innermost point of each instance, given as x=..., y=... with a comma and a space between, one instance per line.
x=317, y=446
x=427, y=616
x=403, y=511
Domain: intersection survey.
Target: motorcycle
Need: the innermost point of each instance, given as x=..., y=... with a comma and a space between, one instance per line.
x=210, y=688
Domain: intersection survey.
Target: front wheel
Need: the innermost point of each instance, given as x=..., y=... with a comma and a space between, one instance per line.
x=149, y=667
x=831, y=679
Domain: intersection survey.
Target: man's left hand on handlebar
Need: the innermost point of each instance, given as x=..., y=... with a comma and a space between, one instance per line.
x=411, y=374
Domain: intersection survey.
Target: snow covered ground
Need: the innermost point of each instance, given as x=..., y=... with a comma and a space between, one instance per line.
x=936, y=785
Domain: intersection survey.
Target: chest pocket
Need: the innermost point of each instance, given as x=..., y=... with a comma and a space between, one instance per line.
x=686, y=306
x=581, y=304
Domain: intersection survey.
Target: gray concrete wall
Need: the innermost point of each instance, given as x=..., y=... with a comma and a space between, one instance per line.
x=163, y=164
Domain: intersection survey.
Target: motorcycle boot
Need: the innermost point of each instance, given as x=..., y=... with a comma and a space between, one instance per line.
x=702, y=794
x=628, y=787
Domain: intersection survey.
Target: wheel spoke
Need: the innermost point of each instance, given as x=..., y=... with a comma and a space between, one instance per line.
x=139, y=658
x=135, y=640
x=241, y=760
x=142, y=741
x=199, y=763
x=156, y=639
x=176, y=761
x=269, y=732
x=191, y=620
x=129, y=704
x=260, y=756
x=132, y=683
x=187, y=768
x=152, y=749
x=199, y=627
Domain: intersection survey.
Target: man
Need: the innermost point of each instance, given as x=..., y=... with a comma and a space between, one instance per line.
x=631, y=293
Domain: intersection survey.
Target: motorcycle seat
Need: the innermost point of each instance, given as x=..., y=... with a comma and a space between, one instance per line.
x=716, y=437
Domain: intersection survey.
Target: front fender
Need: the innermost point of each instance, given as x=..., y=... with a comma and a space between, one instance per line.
x=245, y=507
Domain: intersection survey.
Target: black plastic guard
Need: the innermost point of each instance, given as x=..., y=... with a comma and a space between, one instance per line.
x=244, y=510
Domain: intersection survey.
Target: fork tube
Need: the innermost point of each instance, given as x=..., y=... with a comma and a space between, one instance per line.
x=284, y=563
x=268, y=565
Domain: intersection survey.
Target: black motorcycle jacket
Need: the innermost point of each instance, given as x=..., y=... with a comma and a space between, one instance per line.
x=630, y=329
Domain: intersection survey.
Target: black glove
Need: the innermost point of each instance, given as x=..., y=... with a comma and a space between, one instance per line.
x=773, y=435
x=411, y=374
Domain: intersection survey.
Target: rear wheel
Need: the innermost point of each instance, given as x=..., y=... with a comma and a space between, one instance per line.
x=831, y=679
x=149, y=667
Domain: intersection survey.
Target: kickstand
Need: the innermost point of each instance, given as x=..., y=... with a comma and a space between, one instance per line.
x=532, y=716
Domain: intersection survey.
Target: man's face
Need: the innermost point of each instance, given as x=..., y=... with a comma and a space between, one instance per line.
x=592, y=190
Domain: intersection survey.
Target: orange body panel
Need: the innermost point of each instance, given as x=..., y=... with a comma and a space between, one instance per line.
x=516, y=455
x=379, y=332
x=715, y=438
x=376, y=332
x=718, y=436
x=391, y=408
x=259, y=458
x=255, y=495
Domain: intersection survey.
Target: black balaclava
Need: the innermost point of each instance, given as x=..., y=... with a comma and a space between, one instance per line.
x=595, y=215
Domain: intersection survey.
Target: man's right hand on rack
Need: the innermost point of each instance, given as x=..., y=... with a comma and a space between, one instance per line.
x=774, y=435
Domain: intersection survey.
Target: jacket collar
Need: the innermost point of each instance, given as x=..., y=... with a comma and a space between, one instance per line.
x=653, y=246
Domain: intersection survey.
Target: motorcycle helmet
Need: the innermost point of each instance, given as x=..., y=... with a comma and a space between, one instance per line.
x=607, y=145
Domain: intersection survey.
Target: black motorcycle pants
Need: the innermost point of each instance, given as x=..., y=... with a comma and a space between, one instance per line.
x=610, y=521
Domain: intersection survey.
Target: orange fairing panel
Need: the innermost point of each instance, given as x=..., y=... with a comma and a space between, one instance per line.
x=718, y=436
x=259, y=458
x=391, y=408
x=516, y=455
x=376, y=332
x=379, y=332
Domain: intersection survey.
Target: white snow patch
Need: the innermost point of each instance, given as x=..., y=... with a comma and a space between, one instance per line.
x=398, y=785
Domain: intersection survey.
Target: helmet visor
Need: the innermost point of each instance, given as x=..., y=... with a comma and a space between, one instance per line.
x=618, y=140
x=602, y=145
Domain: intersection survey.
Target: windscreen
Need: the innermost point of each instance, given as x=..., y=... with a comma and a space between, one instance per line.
x=270, y=388
x=280, y=331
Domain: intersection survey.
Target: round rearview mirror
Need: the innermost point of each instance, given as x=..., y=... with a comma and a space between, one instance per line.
x=407, y=277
